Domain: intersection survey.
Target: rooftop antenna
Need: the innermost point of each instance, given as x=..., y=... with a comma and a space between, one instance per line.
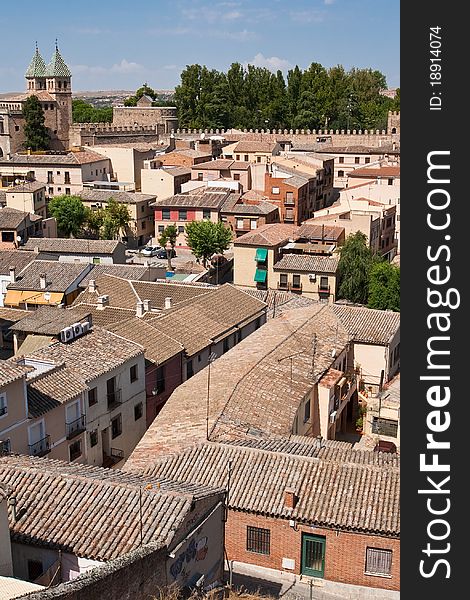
x=56, y=45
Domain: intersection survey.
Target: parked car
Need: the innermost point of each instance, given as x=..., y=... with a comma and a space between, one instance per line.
x=162, y=253
x=151, y=250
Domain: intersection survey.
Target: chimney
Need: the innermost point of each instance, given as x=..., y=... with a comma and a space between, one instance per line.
x=36, y=249
x=147, y=306
x=139, y=309
x=12, y=274
x=102, y=301
x=12, y=503
x=92, y=286
x=290, y=498
x=168, y=302
x=42, y=281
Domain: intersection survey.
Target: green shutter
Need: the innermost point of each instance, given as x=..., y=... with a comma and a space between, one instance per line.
x=260, y=276
x=261, y=254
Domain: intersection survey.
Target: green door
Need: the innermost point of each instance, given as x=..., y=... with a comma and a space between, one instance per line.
x=313, y=555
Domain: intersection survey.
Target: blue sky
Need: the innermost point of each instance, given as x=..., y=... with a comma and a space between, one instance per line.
x=121, y=44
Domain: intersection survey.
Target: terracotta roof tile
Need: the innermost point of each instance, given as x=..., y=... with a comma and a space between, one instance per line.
x=307, y=264
x=59, y=276
x=48, y=320
x=368, y=325
x=11, y=218
x=52, y=389
x=72, y=246
x=268, y=235
x=14, y=258
x=10, y=372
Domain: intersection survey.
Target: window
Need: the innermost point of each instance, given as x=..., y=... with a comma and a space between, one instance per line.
x=67, y=191
x=92, y=396
x=3, y=405
x=340, y=173
x=367, y=160
x=180, y=228
x=283, y=280
x=378, y=562
x=253, y=224
x=200, y=176
x=161, y=228
x=238, y=157
x=35, y=569
x=142, y=208
x=143, y=224
x=93, y=437
x=116, y=427
x=50, y=191
x=166, y=214
x=247, y=158
x=258, y=323
x=206, y=213
x=236, y=176
x=8, y=236
x=160, y=380
x=275, y=190
x=66, y=177
x=226, y=345
x=182, y=215
x=390, y=181
x=138, y=411
x=189, y=369
x=258, y=159
x=296, y=281
x=289, y=197
x=323, y=283
x=75, y=450
x=239, y=336
x=307, y=412
x=50, y=177
x=385, y=427
x=133, y=373
x=258, y=540
x=199, y=358
x=240, y=223
x=357, y=160
x=341, y=159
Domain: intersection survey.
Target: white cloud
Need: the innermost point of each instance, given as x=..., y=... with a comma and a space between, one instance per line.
x=126, y=67
x=123, y=67
x=307, y=16
x=170, y=67
x=273, y=63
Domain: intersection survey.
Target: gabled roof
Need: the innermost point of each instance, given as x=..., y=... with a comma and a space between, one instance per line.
x=307, y=264
x=10, y=372
x=255, y=146
x=368, y=325
x=48, y=320
x=268, y=235
x=37, y=66
x=72, y=246
x=91, y=195
x=57, y=66
x=59, y=276
x=14, y=258
x=334, y=492
x=51, y=389
x=93, y=512
x=11, y=218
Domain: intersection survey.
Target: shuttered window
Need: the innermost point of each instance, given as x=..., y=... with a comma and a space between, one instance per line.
x=258, y=540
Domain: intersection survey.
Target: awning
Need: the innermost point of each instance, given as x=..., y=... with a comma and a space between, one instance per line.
x=260, y=276
x=261, y=254
x=17, y=297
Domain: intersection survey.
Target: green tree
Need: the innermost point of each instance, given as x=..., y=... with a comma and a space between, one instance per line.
x=83, y=112
x=145, y=90
x=36, y=135
x=168, y=236
x=94, y=220
x=70, y=214
x=206, y=238
x=384, y=287
x=116, y=218
x=355, y=263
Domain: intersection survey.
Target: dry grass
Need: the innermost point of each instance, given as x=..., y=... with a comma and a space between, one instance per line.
x=172, y=592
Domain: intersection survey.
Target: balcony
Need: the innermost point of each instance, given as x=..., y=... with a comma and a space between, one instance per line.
x=114, y=399
x=40, y=448
x=75, y=427
x=323, y=289
x=295, y=287
x=289, y=202
x=115, y=455
x=283, y=286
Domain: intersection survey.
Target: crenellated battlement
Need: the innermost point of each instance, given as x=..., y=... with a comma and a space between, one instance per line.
x=90, y=128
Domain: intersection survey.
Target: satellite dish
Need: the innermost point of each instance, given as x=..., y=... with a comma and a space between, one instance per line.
x=18, y=238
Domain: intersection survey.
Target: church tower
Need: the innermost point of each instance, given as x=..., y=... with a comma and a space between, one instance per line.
x=58, y=84
x=36, y=73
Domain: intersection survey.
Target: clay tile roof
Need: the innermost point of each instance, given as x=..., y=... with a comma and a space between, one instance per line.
x=27, y=186
x=59, y=159
x=219, y=164
x=12, y=314
x=337, y=492
x=59, y=276
x=133, y=272
x=10, y=372
x=307, y=263
x=11, y=218
x=48, y=320
x=90, y=195
x=80, y=354
x=14, y=258
x=368, y=325
x=268, y=235
x=52, y=389
x=376, y=172
x=93, y=512
x=317, y=232
x=72, y=246
x=212, y=198
x=263, y=208
x=254, y=146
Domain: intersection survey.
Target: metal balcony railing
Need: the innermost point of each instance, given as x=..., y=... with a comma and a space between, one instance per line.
x=41, y=447
x=114, y=399
x=75, y=427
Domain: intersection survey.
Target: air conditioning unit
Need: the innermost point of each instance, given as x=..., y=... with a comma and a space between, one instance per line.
x=66, y=334
x=77, y=329
x=333, y=416
x=312, y=277
x=86, y=327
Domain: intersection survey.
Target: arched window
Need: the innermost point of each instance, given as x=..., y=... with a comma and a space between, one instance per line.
x=394, y=129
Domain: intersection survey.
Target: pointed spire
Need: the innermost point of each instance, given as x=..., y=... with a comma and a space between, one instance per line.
x=57, y=66
x=37, y=66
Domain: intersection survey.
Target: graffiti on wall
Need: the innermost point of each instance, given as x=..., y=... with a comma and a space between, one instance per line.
x=196, y=551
